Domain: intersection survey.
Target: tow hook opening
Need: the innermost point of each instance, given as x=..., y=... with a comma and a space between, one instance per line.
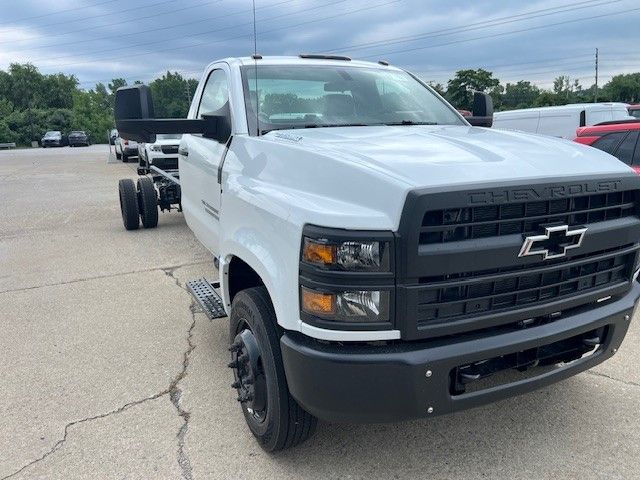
x=516, y=366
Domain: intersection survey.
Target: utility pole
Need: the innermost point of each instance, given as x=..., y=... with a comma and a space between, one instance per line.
x=595, y=98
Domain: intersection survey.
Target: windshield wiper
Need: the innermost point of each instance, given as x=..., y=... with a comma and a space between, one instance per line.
x=316, y=125
x=410, y=122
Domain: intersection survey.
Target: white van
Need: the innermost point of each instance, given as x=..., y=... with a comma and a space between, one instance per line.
x=560, y=121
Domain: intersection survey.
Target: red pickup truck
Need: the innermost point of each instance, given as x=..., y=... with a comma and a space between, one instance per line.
x=618, y=139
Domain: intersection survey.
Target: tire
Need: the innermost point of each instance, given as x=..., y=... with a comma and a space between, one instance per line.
x=129, y=204
x=118, y=156
x=147, y=202
x=125, y=158
x=282, y=423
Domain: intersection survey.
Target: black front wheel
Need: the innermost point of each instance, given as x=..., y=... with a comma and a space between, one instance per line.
x=272, y=414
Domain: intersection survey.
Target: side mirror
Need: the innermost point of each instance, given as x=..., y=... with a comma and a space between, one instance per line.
x=135, y=120
x=482, y=110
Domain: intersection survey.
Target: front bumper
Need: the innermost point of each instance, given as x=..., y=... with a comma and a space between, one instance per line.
x=370, y=383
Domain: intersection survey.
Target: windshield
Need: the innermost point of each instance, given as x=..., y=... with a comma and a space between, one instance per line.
x=331, y=96
x=52, y=134
x=168, y=136
x=77, y=132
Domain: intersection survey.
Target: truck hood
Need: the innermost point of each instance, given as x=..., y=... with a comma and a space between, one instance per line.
x=435, y=156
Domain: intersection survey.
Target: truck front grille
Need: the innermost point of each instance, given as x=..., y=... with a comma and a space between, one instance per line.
x=455, y=224
x=478, y=293
x=460, y=269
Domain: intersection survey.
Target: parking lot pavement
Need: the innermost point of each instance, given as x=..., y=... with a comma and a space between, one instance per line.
x=109, y=371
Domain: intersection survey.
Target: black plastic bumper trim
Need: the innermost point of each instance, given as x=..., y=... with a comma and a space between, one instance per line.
x=370, y=383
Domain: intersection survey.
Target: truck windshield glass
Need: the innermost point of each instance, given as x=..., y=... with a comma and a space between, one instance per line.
x=333, y=96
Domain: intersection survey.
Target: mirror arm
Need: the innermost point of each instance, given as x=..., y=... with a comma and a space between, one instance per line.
x=145, y=129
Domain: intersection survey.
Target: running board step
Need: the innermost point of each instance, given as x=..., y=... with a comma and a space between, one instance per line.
x=205, y=294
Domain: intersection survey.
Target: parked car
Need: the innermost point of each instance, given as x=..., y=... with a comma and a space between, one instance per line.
x=125, y=148
x=78, y=137
x=634, y=110
x=560, y=121
x=379, y=258
x=618, y=139
x=53, y=138
x=163, y=153
x=113, y=134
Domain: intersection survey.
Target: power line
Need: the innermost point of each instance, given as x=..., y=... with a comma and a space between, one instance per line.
x=119, y=22
x=538, y=27
x=108, y=14
x=74, y=9
x=208, y=43
x=478, y=25
x=168, y=27
x=207, y=32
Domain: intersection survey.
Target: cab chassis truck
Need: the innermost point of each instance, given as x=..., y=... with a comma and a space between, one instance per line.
x=380, y=257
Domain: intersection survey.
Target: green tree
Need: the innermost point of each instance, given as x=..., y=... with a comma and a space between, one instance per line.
x=438, y=87
x=171, y=95
x=59, y=90
x=461, y=87
x=623, y=88
x=521, y=94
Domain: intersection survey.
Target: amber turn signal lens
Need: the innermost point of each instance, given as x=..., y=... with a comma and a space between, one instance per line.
x=318, y=303
x=315, y=252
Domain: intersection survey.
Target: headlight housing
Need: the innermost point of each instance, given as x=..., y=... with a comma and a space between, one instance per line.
x=347, y=278
x=354, y=306
x=155, y=148
x=351, y=255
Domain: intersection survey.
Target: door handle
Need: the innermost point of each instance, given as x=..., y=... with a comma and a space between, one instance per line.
x=183, y=151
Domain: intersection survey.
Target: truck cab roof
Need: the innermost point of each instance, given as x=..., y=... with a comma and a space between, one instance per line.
x=301, y=60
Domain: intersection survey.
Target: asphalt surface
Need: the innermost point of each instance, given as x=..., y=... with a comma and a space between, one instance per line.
x=108, y=370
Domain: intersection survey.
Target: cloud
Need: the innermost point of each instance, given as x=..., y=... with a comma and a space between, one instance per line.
x=139, y=39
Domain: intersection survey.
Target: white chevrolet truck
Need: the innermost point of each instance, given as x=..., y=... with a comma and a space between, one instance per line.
x=379, y=258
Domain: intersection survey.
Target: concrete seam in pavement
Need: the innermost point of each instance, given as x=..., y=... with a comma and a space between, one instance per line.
x=110, y=275
x=174, y=392
x=603, y=375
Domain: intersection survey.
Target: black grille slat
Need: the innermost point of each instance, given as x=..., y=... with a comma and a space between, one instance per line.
x=449, y=225
x=498, y=292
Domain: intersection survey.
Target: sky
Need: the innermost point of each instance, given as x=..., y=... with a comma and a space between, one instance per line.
x=535, y=40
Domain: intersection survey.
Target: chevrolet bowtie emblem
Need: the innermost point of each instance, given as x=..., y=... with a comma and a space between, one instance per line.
x=553, y=243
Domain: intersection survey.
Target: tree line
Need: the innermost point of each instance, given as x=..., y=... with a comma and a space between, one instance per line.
x=524, y=94
x=32, y=103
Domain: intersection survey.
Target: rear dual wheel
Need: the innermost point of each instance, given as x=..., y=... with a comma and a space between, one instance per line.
x=129, y=204
x=138, y=202
x=147, y=202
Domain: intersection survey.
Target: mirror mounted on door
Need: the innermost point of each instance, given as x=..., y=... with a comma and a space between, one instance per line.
x=135, y=120
x=482, y=110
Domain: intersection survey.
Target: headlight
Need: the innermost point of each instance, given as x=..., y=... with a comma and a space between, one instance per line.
x=155, y=148
x=347, y=306
x=372, y=256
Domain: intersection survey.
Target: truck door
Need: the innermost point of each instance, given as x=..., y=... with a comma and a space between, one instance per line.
x=200, y=158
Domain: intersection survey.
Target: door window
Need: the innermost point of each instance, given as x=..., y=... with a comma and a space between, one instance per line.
x=626, y=148
x=608, y=143
x=215, y=93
